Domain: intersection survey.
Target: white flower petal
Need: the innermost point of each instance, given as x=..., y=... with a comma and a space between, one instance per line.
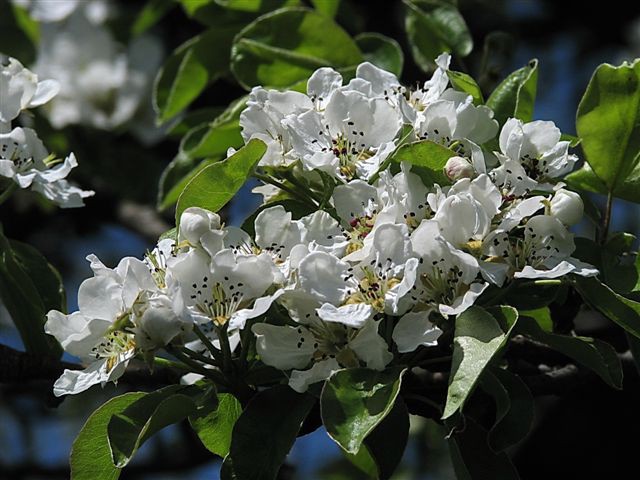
x=415, y=329
x=320, y=371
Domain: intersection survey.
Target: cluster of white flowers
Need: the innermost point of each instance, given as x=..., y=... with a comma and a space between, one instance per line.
x=102, y=83
x=389, y=248
x=23, y=157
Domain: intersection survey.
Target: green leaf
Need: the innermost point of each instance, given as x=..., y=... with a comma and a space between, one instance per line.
x=29, y=288
x=608, y=121
x=382, y=51
x=531, y=297
x=383, y=448
x=129, y=429
x=18, y=34
x=256, y=6
x=209, y=13
x=595, y=354
x=45, y=277
x=28, y=25
x=191, y=67
x=326, y=7
x=216, y=184
x=151, y=14
x=355, y=400
x=214, y=425
x=465, y=83
x=618, y=309
x=542, y=316
x=90, y=454
x=208, y=141
x=514, y=408
x=192, y=119
x=266, y=430
x=288, y=45
x=617, y=267
x=433, y=27
x=516, y=95
x=473, y=459
x=428, y=159
x=477, y=340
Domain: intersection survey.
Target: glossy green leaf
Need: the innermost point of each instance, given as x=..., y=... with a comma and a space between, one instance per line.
x=473, y=459
x=45, y=277
x=326, y=7
x=514, y=408
x=428, y=159
x=188, y=71
x=516, y=95
x=595, y=354
x=382, y=449
x=214, y=425
x=29, y=288
x=621, y=310
x=210, y=13
x=542, y=316
x=216, y=184
x=91, y=454
x=129, y=429
x=477, y=340
x=465, y=83
x=617, y=267
x=382, y=51
x=256, y=6
x=202, y=145
x=608, y=121
x=265, y=432
x=286, y=46
x=531, y=297
x=355, y=400
x=433, y=27
x=151, y=14
x=192, y=119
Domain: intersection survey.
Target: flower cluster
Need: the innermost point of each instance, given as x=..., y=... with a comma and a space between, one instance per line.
x=23, y=157
x=385, y=258
x=102, y=84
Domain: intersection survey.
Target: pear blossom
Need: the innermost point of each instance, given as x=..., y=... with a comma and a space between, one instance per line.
x=447, y=278
x=263, y=117
x=21, y=89
x=354, y=294
x=101, y=83
x=225, y=289
x=120, y=313
x=543, y=252
x=537, y=147
x=25, y=160
x=314, y=349
x=350, y=139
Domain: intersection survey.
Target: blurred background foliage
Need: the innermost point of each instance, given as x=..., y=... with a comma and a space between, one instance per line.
x=209, y=54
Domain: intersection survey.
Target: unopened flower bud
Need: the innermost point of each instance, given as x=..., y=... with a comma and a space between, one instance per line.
x=195, y=222
x=567, y=207
x=459, y=167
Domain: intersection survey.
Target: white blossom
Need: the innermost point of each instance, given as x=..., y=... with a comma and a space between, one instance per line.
x=24, y=159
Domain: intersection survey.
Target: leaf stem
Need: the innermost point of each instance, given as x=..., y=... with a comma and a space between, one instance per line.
x=606, y=220
x=215, y=353
x=226, y=348
x=285, y=188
